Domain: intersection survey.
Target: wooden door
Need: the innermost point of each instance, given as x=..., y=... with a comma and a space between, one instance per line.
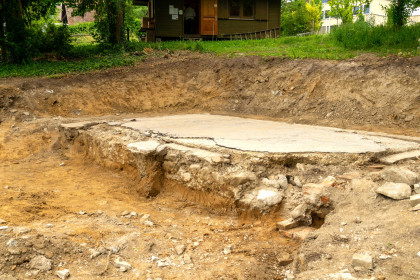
x=208, y=17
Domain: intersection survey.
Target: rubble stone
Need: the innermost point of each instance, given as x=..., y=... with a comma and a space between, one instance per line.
x=180, y=249
x=63, y=274
x=287, y=224
x=417, y=188
x=120, y=263
x=41, y=263
x=362, y=260
x=299, y=211
x=395, y=190
x=400, y=175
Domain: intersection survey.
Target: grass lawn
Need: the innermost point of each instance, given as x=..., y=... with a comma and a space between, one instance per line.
x=88, y=56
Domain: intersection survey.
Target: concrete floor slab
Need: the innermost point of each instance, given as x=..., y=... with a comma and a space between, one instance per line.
x=266, y=136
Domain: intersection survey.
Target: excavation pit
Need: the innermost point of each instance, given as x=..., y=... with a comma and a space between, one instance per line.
x=253, y=164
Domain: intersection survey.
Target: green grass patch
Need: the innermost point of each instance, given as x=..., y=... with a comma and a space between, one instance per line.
x=54, y=68
x=318, y=46
x=344, y=43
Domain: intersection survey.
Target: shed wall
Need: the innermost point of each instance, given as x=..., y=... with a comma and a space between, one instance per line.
x=265, y=18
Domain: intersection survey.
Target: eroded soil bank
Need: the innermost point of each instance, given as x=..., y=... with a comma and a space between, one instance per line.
x=380, y=94
x=61, y=210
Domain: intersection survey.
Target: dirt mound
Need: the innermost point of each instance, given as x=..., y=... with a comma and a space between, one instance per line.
x=380, y=94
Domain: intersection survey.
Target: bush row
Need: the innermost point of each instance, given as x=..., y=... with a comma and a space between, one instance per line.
x=362, y=35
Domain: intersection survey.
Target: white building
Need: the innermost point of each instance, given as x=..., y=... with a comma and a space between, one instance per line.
x=373, y=13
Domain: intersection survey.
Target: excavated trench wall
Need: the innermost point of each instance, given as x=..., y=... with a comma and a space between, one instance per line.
x=248, y=181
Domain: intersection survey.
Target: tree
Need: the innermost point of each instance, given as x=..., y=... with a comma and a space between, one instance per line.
x=343, y=9
x=109, y=17
x=294, y=17
x=399, y=11
x=17, y=16
x=314, y=12
x=298, y=16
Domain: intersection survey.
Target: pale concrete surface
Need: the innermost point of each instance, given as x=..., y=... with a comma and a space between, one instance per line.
x=266, y=136
x=400, y=156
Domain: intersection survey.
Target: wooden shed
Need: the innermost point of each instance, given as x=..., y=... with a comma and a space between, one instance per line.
x=214, y=18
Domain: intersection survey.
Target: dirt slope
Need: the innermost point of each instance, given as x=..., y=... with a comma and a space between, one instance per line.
x=366, y=92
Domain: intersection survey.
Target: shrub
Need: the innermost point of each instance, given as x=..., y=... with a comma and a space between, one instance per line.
x=362, y=35
x=50, y=39
x=83, y=28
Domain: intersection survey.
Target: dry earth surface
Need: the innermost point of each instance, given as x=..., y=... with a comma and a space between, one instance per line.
x=60, y=210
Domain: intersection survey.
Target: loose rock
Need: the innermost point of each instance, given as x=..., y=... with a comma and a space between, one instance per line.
x=227, y=250
x=94, y=253
x=125, y=213
x=2, y=221
x=417, y=188
x=41, y=263
x=180, y=249
x=63, y=274
x=287, y=224
x=400, y=175
x=187, y=259
x=395, y=190
x=120, y=263
x=362, y=260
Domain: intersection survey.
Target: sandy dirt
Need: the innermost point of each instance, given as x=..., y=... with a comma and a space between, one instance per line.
x=57, y=204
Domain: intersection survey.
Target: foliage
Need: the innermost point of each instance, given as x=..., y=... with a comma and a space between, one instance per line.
x=48, y=68
x=82, y=28
x=133, y=16
x=29, y=30
x=109, y=18
x=343, y=9
x=314, y=12
x=299, y=16
x=294, y=19
x=363, y=36
x=399, y=10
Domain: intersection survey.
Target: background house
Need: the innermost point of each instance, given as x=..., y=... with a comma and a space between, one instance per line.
x=88, y=17
x=215, y=18
x=373, y=13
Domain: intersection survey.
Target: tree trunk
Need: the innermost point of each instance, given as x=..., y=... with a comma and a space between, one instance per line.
x=16, y=31
x=2, y=35
x=119, y=28
x=399, y=13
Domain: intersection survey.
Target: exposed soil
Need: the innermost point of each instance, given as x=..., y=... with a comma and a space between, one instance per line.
x=61, y=205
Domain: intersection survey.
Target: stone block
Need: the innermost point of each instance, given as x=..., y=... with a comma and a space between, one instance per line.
x=287, y=224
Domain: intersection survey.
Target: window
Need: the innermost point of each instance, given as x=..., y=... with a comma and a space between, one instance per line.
x=355, y=10
x=235, y=8
x=242, y=8
x=367, y=9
